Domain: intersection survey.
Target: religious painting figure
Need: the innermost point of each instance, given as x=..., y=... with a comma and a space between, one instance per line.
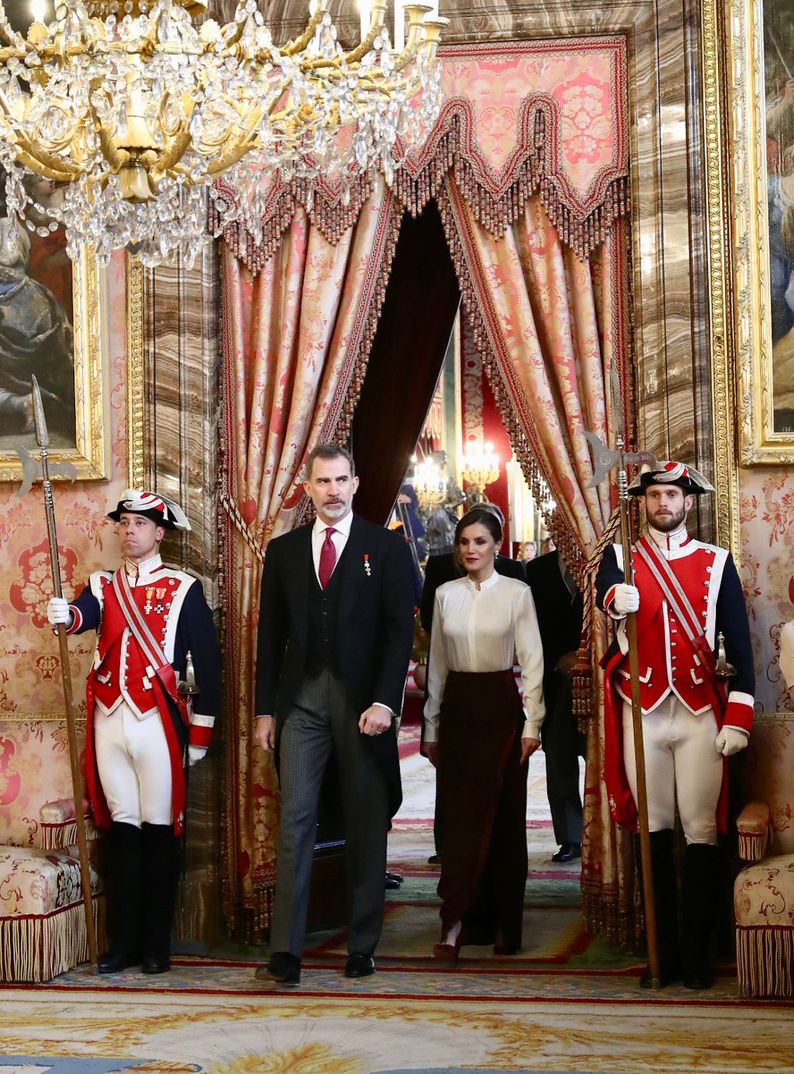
x=779, y=70
x=685, y=594
x=35, y=338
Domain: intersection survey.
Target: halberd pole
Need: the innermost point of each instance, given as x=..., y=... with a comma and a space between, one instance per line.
x=605, y=459
x=43, y=441
x=636, y=720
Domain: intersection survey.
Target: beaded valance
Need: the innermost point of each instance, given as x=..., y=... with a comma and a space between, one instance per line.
x=520, y=118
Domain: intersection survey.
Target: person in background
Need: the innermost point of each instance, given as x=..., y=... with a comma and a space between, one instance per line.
x=528, y=551
x=480, y=736
x=406, y=519
x=154, y=630
x=559, y=608
x=684, y=594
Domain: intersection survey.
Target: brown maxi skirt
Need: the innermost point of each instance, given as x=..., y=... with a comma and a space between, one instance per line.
x=483, y=797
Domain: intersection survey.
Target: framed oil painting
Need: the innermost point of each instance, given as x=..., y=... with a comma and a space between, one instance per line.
x=53, y=323
x=760, y=85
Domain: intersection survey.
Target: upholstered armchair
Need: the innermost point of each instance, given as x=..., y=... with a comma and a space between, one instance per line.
x=764, y=891
x=42, y=923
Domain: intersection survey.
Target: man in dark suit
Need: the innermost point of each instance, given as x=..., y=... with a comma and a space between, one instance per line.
x=558, y=604
x=335, y=635
x=446, y=568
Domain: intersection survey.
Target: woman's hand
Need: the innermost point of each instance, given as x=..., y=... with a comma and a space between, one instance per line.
x=528, y=747
x=431, y=752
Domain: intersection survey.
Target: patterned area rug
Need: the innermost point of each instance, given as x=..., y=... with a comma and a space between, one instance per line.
x=567, y=1002
x=266, y=1032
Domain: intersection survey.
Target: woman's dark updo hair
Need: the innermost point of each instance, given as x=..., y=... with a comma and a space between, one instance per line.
x=484, y=518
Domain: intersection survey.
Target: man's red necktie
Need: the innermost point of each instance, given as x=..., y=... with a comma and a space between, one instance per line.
x=327, y=558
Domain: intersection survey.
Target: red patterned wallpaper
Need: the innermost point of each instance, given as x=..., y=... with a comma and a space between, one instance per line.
x=33, y=759
x=767, y=527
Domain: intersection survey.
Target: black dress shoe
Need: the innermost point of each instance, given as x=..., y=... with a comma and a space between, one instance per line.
x=282, y=967
x=699, y=980
x=111, y=962
x=359, y=965
x=668, y=974
x=434, y=859
x=567, y=852
x=393, y=881
x=156, y=965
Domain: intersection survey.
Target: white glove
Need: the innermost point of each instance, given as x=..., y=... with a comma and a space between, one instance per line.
x=730, y=740
x=58, y=611
x=626, y=599
x=195, y=753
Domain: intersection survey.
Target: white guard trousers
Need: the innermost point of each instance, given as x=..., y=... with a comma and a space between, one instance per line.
x=134, y=766
x=681, y=762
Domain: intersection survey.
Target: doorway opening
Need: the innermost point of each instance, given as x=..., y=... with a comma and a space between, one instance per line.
x=429, y=442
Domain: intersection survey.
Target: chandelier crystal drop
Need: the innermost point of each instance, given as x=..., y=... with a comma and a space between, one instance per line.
x=127, y=111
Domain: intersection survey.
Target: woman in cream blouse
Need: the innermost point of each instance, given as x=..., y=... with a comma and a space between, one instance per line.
x=480, y=735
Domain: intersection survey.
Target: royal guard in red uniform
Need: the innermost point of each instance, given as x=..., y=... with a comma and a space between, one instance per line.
x=685, y=595
x=153, y=693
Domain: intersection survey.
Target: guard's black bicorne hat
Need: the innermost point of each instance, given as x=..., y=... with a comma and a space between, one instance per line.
x=153, y=505
x=687, y=478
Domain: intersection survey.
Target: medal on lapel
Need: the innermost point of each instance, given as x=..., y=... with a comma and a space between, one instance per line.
x=367, y=568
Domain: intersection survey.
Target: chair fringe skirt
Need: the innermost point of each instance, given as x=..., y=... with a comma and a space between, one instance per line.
x=765, y=960
x=36, y=948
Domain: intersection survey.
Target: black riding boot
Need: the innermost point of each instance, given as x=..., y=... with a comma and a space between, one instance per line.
x=702, y=877
x=665, y=897
x=159, y=882
x=124, y=898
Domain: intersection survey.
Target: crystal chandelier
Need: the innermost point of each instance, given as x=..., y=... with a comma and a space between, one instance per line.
x=479, y=467
x=136, y=106
x=430, y=483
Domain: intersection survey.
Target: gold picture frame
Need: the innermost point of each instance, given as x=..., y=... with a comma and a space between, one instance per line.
x=90, y=455
x=765, y=374
x=136, y=470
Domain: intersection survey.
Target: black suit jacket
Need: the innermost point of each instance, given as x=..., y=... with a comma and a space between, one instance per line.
x=441, y=569
x=559, y=616
x=374, y=631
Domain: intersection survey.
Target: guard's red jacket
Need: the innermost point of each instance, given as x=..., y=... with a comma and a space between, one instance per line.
x=172, y=604
x=669, y=662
